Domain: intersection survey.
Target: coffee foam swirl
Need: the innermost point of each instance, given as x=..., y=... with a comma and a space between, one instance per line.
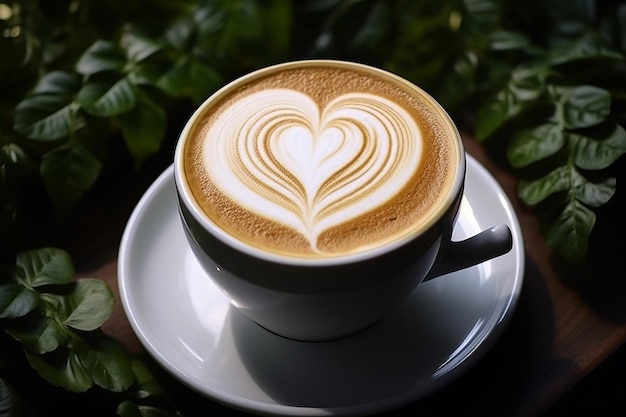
x=277, y=154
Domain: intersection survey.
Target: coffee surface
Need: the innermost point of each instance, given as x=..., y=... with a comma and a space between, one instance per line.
x=320, y=159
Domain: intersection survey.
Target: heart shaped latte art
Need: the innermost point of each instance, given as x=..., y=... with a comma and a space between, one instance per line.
x=276, y=154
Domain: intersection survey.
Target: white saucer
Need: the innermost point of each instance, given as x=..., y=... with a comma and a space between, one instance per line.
x=187, y=325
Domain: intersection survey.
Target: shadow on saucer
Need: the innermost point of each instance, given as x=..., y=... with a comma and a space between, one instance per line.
x=395, y=361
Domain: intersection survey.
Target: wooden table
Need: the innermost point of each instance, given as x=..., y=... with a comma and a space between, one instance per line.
x=563, y=328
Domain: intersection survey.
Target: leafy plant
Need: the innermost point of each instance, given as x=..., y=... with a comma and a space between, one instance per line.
x=56, y=319
x=10, y=403
x=117, y=80
x=562, y=115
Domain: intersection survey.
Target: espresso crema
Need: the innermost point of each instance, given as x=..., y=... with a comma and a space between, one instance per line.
x=320, y=159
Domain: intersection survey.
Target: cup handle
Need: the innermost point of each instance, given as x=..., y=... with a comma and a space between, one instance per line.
x=487, y=244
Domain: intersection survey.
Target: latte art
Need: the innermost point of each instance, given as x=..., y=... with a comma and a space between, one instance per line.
x=320, y=159
x=276, y=153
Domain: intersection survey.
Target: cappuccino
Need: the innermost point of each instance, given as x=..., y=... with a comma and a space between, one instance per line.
x=321, y=159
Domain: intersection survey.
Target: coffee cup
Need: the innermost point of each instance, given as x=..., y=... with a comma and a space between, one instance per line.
x=318, y=194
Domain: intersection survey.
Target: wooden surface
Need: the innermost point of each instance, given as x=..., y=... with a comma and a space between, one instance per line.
x=563, y=328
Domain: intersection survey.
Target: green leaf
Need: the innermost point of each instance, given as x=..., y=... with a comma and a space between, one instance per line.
x=584, y=47
x=108, y=99
x=139, y=48
x=599, y=153
x=49, y=113
x=16, y=157
x=594, y=194
x=47, y=117
x=192, y=77
x=524, y=88
x=86, y=307
x=567, y=178
x=100, y=57
x=535, y=144
x=569, y=232
x=147, y=73
x=459, y=81
x=533, y=192
x=508, y=41
x=39, y=334
x=131, y=409
x=47, y=266
x=62, y=368
x=10, y=401
x=143, y=129
x=239, y=21
x=128, y=409
x=107, y=363
x=495, y=113
x=58, y=83
x=581, y=106
x=176, y=82
x=147, y=384
x=68, y=171
x=527, y=83
x=16, y=301
x=180, y=33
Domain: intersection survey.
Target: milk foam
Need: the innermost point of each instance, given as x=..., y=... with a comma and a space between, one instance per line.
x=277, y=154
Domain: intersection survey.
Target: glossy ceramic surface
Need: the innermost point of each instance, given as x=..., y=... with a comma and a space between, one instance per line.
x=190, y=328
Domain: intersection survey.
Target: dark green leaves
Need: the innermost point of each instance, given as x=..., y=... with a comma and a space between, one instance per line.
x=143, y=128
x=50, y=113
x=569, y=152
x=68, y=171
x=535, y=144
x=523, y=91
x=584, y=153
x=558, y=180
x=106, y=99
x=581, y=106
x=97, y=361
x=39, y=333
x=569, y=232
x=567, y=159
x=60, y=111
x=100, y=57
x=16, y=301
x=116, y=79
x=10, y=402
x=192, y=77
x=147, y=387
x=46, y=266
x=599, y=151
x=86, y=308
x=56, y=319
x=561, y=108
x=130, y=409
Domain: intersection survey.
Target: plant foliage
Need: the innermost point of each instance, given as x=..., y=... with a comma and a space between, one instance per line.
x=56, y=319
x=541, y=81
x=564, y=117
